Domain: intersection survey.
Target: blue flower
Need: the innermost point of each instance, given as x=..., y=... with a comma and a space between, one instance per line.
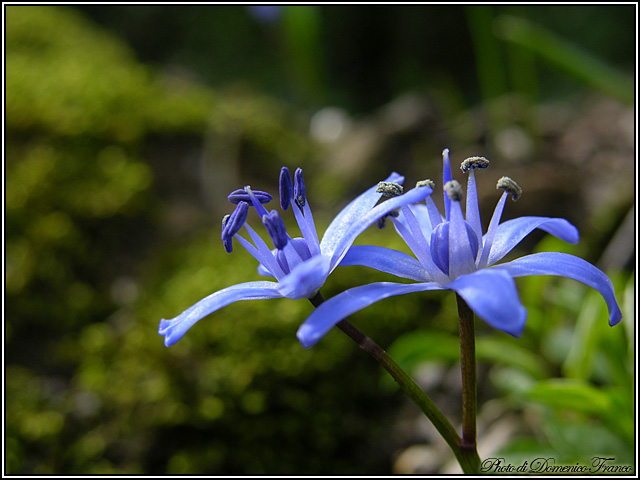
x=300, y=265
x=453, y=254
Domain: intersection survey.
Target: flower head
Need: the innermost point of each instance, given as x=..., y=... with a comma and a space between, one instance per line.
x=300, y=265
x=452, y=253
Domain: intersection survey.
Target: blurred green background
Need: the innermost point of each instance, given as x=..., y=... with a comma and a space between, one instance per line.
x=127, y=126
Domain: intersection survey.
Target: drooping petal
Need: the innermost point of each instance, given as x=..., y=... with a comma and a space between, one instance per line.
x=493, y=296
x=351, y=213
x=565, y=265
x=175, y=328
x=385, y=260
x=510, y=233
x=347, y=237
x=305, y=278
x=350, y=301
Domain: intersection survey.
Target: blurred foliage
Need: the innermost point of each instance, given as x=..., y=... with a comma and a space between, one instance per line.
x=359, y=57
x=78, y=191
x=116, y=173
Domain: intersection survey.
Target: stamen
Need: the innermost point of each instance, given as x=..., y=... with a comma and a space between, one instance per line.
x=276, y=229
x=453, y=190
x=241, y=195
x=389, y=189
x=382, y=221
x=299, y=191
x=286, y=188
x=474, y=162
x=228, y=244
x=446, y=177
x=507, y=184
x=232, y=223
x=255, y=201
x=235, y=221
x=426, y=183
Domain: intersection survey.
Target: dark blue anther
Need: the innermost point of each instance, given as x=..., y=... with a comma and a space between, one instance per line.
x=241, y=195
x=382, y=221
x=299, y=193
x=232, y=223
x=228, y=244
x=276, y=229
x=286, y=188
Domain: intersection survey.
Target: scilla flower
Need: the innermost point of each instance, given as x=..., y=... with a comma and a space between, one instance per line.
x=453, y=254
x=300, y=265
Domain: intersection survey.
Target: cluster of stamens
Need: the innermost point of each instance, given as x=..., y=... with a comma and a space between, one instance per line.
x=439, y=249
x=288, y=252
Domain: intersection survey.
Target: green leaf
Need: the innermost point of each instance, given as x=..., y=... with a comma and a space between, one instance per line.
x=571, y=394
x=504, y=351
x=566, y=57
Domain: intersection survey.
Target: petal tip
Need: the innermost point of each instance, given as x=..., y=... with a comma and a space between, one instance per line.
x=615, y=318
x=307, y=336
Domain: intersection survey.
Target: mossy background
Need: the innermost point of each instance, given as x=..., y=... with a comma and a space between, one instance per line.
x=127, y=126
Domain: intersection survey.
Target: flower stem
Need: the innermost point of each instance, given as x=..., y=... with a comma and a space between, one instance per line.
x=469, y=382
x=467, y=458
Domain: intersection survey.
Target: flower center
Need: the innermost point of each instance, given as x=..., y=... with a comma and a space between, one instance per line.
x=440, y=245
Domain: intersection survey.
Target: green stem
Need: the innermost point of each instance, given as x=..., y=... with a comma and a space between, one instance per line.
x=469, y=381
x=468, y=459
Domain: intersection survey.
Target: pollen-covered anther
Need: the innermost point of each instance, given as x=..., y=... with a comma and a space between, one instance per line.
x=453, y=190
x=389, y=189
x=507, y=184
x=426, y=183
x=473, y=162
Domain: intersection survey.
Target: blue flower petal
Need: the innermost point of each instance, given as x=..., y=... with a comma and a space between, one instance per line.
x=565, y=265
x=351, y=213
x=461, y=255
x=344, y=239
x=510, y=233
x=385, y=260
x=174, y=329
x=305, y=278
x=421, y=212
x=492, y=295
x=323, y=318
x=264, y=272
